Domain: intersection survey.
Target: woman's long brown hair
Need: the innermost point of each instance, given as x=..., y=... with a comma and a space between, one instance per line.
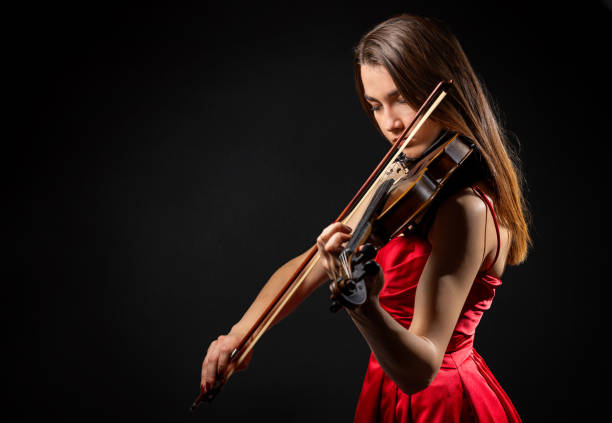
x=419, y=52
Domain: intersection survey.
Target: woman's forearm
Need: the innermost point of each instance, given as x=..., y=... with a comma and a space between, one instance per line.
x=273, y=286
x=408, y=359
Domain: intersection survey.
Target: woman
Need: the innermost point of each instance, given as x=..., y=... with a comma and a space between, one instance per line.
x=436, y=281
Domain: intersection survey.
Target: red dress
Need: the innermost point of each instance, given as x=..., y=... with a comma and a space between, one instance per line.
x=464, y=390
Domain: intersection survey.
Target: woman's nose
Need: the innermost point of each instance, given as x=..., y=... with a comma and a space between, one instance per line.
x=393, y=122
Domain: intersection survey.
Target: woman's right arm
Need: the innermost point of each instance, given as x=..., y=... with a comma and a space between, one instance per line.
x=219, y=352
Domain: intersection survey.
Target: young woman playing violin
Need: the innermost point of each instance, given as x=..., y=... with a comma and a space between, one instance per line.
x=435, y=281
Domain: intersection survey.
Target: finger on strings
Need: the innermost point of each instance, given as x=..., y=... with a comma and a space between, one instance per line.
x=336, y=243
x=336, y=267
x=328, y=261
x=333, y=228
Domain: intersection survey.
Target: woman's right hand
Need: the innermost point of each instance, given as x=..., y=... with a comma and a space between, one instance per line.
x=218, y=358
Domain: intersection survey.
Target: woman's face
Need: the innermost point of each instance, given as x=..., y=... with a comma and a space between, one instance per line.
x=393, y=114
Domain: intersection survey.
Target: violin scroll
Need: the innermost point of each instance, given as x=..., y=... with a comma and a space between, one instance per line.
x=351, y=292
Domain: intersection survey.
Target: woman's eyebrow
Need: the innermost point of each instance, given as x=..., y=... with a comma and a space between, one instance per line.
x=389, y=95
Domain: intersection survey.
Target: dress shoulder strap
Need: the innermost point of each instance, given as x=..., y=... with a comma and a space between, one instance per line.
x=484, y=198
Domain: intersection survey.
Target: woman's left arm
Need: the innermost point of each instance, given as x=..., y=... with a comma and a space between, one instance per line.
x=412, y=357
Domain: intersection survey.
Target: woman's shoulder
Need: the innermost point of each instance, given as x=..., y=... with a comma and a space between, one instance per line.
x=465, y=225
x=462, y=214
x=465, y=205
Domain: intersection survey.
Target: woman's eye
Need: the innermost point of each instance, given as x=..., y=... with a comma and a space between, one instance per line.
x=401, y=100
x=375, y=108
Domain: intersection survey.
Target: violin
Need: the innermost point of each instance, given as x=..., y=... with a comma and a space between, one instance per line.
x=394, y=199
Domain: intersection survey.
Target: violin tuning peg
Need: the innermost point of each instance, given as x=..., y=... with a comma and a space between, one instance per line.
x=371, y=268
x=368, y=251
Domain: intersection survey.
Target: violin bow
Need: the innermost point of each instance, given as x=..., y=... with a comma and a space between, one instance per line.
x=264, y=321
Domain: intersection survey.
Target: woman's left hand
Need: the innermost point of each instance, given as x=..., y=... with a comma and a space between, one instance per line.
x=330, y=244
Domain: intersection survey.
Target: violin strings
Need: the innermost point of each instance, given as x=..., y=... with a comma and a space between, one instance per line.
x=345, y=265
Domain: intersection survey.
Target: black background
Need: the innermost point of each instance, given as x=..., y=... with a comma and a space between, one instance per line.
x=172, y=157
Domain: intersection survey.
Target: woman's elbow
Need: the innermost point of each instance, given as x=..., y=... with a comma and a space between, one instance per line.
x=417, y=382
